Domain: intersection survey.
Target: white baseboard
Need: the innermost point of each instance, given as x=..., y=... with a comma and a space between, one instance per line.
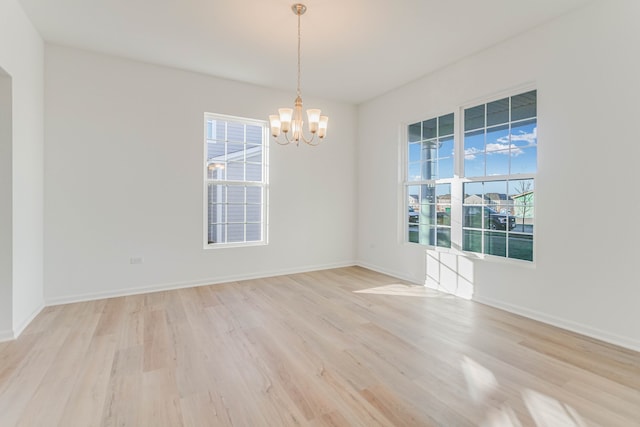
x=562, y=323
x=6, y=335
x=23, y=325
x=388, y=272
x=67, y=299
x=9, y=335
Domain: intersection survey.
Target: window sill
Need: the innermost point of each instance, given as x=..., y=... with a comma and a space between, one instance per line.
x=214, y=246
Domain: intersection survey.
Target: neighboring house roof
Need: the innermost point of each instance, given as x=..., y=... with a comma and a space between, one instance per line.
x=496, y=196
x=526, y=193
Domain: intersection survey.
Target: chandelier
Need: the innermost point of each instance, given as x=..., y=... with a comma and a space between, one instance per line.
x=289, y=121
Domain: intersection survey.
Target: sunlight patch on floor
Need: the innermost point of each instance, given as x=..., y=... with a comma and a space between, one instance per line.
x=544, y=410
x=501, y=417
x=480, y=381
x=547, y=411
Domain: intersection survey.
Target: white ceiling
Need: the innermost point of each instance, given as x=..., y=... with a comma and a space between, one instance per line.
x=352, y=50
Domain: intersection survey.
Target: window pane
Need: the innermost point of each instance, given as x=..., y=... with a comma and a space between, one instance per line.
x=217, y=214
x=429, y=129
x=473, y=193
x=472, y=217
x=521, y=192
x=254, y=154
x=235, y=213
x=254, y=195
x=474, y=154
x=217, y=193
x=216, y=233
x=524, y=134
x=235, y=194
x=235, y=151
x=523, y=160
x=427, y=214
x=523, y=106
x=521, y=246
x=219, y=129
x=497, y=187
x=235, y=132
x=216, y=170
x=495, y=243
x=427, y=194
x=443, y=193
x=429, y=150
x=472, y=240
x=254, y=213
x=414, y=197
x=445, y=125
x=497, y=138
x=414, y=172
x=498, y=112
x=254, y=172
x=215, y=149
x=415, y=152
x=415, y=132
x=235, y=233
x=498, y=163
x=445, y=147
x=443, y=237
x=235, y=171
x=428, y=170
x=443, y=215
x=254, y=134
x=254, y=232
x=427, y=235
x=413, y=236
x=474, y=118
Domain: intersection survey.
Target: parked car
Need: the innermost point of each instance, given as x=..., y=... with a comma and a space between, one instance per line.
x=474, y=216
x=413, y=216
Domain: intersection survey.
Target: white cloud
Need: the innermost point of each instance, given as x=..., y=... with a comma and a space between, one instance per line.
x=505, y=145
x=470, y=153
x=515, y=150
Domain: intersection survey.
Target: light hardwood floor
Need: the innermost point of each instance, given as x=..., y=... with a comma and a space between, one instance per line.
x=343, y=347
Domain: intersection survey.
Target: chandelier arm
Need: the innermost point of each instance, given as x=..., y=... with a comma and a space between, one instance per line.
x=307, y=141
x=286, y=141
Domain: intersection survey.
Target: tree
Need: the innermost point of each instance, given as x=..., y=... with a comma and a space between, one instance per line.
x=525, y=203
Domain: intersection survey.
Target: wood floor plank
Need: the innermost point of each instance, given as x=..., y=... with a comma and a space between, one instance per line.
x=340, y=347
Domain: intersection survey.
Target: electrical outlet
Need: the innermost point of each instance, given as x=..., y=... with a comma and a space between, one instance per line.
x=136, y=260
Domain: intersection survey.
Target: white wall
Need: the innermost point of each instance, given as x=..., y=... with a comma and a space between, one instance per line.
x=21, y=57
x=6, y=210
x=585, y=66
x=123, y=179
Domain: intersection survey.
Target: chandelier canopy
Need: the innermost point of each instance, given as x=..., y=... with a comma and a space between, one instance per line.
x=289, y=121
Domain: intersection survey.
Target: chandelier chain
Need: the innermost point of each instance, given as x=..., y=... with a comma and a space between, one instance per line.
x=298, y=89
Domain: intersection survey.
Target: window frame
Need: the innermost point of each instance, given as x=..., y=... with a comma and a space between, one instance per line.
x=263, y=184
x=407, y=183
x=460, y=179
x=509, y=177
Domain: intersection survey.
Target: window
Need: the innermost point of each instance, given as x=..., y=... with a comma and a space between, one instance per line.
x=492, y=174
x=235, y=180
x=500, y=152
x=428, y=187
